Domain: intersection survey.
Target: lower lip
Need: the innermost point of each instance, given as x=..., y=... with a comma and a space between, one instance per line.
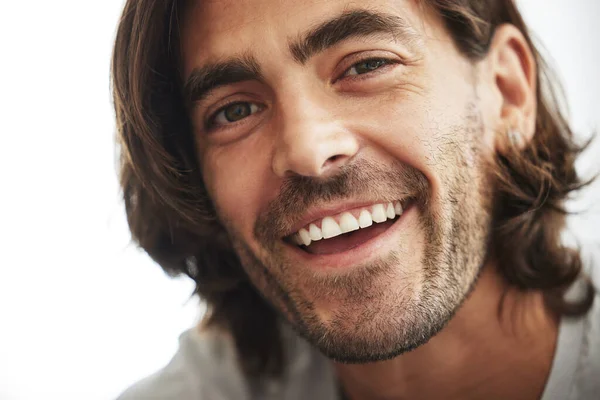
x=358, y=255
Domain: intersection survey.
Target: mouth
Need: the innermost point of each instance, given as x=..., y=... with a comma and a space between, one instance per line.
x=335, y=234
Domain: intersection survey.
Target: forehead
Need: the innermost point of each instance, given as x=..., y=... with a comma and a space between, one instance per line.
x=217, y=29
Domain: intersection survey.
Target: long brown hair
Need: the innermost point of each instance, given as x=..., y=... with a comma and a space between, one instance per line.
x=171, y=216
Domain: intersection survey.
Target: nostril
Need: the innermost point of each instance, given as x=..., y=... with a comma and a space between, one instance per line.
x=333, y=159
x=334, y=163
x=336, y=160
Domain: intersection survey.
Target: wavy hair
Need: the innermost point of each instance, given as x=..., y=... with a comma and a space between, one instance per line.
x=171, y=216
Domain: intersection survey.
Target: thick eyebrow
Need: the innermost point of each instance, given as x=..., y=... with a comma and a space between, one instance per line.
x=351, y=24
x=204, y=79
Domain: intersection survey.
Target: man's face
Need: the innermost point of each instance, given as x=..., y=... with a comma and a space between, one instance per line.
x=314, y=118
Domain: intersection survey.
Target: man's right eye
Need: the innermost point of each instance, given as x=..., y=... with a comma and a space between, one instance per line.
x=232, y=113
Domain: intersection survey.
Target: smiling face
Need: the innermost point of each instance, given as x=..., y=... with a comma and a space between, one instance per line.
x=344, y=148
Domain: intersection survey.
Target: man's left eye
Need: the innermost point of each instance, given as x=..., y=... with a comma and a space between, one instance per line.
x=366, y=66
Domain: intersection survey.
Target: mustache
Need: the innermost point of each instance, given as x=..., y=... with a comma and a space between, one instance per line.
x=361, y=179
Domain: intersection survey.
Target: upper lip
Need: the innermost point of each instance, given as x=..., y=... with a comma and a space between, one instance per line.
x=319, y=212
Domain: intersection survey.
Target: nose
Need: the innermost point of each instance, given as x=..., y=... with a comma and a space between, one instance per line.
x=310, y=141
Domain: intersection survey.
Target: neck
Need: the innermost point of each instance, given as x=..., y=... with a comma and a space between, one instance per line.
x=499, y=345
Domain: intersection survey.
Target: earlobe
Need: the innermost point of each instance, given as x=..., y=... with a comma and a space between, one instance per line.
x=515, y=79
x=515, y=138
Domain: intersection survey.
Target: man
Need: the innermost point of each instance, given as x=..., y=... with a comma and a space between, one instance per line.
x=368, y=195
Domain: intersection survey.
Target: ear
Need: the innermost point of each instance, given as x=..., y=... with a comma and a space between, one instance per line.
x=512, y=72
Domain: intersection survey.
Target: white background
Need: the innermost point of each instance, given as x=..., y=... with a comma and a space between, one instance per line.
x=82, y=313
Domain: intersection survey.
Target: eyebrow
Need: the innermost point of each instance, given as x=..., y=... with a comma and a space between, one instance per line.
x=207, y=78
x=350, y=24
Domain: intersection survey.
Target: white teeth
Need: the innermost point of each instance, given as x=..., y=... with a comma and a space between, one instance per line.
x=304, y=236
x=379, y=213
x=398, y=208
x=330, y=228
x=364, y=219
x=315, y=232
x=348, y=223
x=390, y=213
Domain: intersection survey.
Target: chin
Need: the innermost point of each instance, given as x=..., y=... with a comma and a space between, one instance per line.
x=379, y=320
x=376, y=332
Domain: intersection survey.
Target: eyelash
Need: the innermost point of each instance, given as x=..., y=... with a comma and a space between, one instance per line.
x=211, y=122
x=387, y=62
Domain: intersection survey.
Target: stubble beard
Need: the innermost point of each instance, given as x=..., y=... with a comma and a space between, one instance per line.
x=383, y=310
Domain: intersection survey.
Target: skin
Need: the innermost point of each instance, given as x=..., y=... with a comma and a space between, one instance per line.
x=425, y=124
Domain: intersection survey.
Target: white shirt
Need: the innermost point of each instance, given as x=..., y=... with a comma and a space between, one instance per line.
x=205, y=367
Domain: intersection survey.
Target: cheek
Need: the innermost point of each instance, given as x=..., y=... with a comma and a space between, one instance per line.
x=235, y=178
x=429, y=128
x=414, y=132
